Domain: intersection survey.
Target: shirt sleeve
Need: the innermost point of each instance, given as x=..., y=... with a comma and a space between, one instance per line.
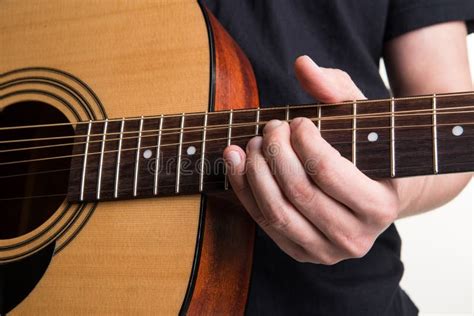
x=408, y=15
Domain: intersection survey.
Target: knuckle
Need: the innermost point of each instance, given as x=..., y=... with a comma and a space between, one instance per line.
x=328, y=259
x=301, y=192
x=385, y=213
x=323, y=170
x=348, y=243
x=259, y=219
x=356, y=247
x=275, y=217
x=384, y=218
x=363, y=246
x=300, y=259
x=298, y=255
x=326, y=255
x=307, y=243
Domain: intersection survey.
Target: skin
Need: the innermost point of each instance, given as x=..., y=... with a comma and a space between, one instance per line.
x=335, y=212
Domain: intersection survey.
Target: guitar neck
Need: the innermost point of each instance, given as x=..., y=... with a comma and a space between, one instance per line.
x=182, y=154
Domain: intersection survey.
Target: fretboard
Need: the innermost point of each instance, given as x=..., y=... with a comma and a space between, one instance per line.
x=182, y=154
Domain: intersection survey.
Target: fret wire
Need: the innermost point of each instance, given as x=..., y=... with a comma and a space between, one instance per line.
x=180, y=149
x=157, y=161
x=84, y=165
x=319, y=118
x=229, y=136
x=101, y=160
x=354, y=134
x=287, y=113
x=137, y=158
x=119, y=153
x=435, y=136
x=257, y=121
x=203, y=150
x=392, y=138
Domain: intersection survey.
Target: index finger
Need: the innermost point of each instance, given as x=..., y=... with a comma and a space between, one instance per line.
x=334, y=174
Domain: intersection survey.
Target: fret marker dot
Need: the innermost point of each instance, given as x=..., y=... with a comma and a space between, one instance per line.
x=147, y=154
x=458, y=130
x=191, y=150
x=373, y=137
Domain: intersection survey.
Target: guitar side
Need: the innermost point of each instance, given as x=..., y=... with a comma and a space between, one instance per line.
x=167, y=255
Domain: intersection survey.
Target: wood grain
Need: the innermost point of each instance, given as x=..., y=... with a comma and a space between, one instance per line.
x=137, y=256
x=226, y=256
x=140, y=58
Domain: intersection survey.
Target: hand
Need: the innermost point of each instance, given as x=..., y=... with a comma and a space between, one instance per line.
x=315, y=204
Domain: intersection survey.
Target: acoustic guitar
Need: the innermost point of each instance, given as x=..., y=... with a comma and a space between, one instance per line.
x=114, y=117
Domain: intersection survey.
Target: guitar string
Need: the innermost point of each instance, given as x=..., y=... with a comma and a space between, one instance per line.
x=303, y=106
x=145, y=134
x=150, y=188
x=225, y=138
x=102, y=191
x=199, y=128
x=200, y=141
x=196, y=129
x=221, y=151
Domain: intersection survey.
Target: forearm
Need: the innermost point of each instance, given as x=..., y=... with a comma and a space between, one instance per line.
x=416, y=65
x=421, y=194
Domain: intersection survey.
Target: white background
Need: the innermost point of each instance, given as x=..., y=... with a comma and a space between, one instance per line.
x=437, y=252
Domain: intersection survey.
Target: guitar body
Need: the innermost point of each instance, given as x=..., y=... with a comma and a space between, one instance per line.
x=100, y=59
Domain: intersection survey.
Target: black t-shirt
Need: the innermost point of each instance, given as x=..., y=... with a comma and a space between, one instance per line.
x=345, y=34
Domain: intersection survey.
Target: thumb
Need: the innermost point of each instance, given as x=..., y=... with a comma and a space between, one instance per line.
x=326, y=84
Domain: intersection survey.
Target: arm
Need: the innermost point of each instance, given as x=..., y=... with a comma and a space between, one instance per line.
x=316, y=205
x=432, y=59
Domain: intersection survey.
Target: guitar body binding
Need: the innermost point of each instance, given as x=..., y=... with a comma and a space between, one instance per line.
x=90, y=61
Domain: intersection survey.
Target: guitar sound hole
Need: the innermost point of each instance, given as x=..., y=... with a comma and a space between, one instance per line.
x=31, y=191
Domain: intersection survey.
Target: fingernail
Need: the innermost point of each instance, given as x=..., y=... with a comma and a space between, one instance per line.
x=233, y=158
x=254, y=144
x=312, y=61
x=296, y=122
x=271, y=125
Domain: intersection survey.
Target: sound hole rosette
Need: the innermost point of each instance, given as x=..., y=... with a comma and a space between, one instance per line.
x=78, y=103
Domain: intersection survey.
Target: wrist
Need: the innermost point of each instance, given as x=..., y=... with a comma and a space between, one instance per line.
x=409, y=192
